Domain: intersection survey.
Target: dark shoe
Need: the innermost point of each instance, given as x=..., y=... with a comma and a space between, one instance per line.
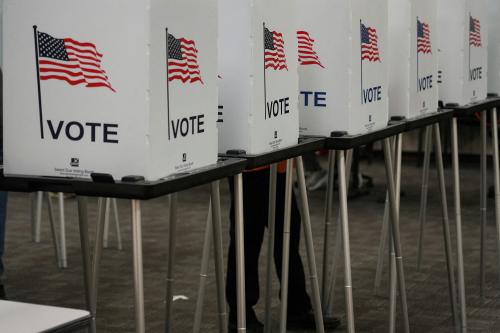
x=307, y=322
x=253, y=324
x=3, y=295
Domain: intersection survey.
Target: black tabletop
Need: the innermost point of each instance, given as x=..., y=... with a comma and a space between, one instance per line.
x=346, y=142
x=141, y=190
x=481, y=106
x=305, y=145
x=430, y=119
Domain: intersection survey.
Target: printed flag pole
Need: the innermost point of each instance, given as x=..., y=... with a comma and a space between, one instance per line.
x=264, y=53
x=361, y=55
x=38, y=81
x=470, y=27
x=168, y=83
x=418, y=25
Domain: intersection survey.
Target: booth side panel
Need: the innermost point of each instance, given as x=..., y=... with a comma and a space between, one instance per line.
x=274, y=115
x=451, y=32
x=90, y=112
x=424, y=61
x=476, y=55
x=324, y=77
x=183, y=85
x=235, y=77
x=494, y=47
x=399, y=57
x=370, y=110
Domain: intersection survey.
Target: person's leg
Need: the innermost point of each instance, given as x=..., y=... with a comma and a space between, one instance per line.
x=255, y=196
x=298, y=299
x=3, y=211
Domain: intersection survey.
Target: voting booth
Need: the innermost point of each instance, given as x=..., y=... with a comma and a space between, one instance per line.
x=101, y=86
x=494, y=47
x=463, y=48
x=413, y=58
x=258, y=82
x=343, y=66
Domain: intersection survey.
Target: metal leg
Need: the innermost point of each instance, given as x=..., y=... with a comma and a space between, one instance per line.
x=345, y=240
x=55, y=239
x=395, y=233
x=384, y=240
x=311, y=259
x=458, y=219
x=205, y=257
x=218, y=256
x=240, y=253
x=86, y=259
x=106, y=222
x=397, y=152
x=270, y=246
x=338, y=243
x=423, y=194
x=37, y=215
x=117, y=225
x=171, y=261
x=446, y=225
x=328, y=222
x=286, y=245
x=496, y=171
x=138, y=272
x=62, y=231
x=96, y=262
x=483, y=200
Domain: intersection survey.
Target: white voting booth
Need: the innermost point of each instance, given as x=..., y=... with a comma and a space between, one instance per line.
x=343, y=66
x=100, y=86
x=463, y=48
x=258, y=80
x=413, y=58
x=494, y=47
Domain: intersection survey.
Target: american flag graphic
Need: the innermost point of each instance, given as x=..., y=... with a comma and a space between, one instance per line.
x=72, y=61
x=475, y=32
x=369, y=44
x=183, y=60
x=274, y=50
x=423, y=38
x=307, y=55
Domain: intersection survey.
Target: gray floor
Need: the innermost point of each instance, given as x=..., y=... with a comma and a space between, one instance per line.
x=32, y=275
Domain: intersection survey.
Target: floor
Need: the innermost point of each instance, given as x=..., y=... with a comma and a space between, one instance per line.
x=33, y=276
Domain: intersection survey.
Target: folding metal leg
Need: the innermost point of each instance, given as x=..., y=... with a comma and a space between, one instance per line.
x=271, y=223
x=86, y=258
x=36, y=218
x=397, y=151
x=205, y=258
x=53, y=231
x=62, y=231
x=496, y=171
x=338, y=243
x=423, y=194
x=240, y=253
x=395, y=232
x=96, y=262
x=286, y=245
x=384, y=240
x=446, y=225
x=328, y=223
x=311, y=259
x=117, y=225
x=218, y=256
x=458, y=219
x=345, y=240
x=172, y=230
x=106, y=221
x=483, y=200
